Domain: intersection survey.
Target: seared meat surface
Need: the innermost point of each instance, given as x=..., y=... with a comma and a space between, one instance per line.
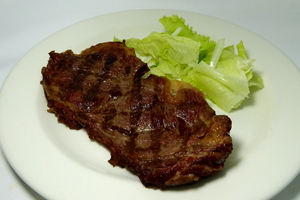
x=164, y=131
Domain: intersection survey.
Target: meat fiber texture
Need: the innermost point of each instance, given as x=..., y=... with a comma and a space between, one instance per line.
x=163, y=131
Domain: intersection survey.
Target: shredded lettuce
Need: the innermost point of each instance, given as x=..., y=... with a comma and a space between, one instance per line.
x=224, y=74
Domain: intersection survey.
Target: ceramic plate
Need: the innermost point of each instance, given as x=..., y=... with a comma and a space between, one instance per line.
x=60, y=163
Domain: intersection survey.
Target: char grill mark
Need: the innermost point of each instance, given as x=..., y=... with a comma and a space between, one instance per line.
x=162, y=130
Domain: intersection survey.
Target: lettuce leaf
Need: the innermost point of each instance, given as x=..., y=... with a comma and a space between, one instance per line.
x=166, y=55
x=176, y=24
x=224, y=74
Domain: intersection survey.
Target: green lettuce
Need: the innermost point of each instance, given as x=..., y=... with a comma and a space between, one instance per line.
x=166, y=55
x=224, y=74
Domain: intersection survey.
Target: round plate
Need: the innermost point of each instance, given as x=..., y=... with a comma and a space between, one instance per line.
x=60, y=163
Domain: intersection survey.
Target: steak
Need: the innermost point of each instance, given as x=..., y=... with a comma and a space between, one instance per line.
x=162, y=130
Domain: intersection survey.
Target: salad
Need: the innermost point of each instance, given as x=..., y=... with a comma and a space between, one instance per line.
x=223, y=73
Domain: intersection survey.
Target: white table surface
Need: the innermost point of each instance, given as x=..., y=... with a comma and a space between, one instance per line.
x=23, y=24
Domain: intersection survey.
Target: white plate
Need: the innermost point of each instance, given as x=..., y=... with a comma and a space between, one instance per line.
x=63, y=164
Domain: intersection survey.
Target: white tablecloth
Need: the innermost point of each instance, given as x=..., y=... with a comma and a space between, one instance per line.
x=23, y=24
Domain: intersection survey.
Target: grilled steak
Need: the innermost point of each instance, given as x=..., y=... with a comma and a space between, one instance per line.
x=164, y=131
